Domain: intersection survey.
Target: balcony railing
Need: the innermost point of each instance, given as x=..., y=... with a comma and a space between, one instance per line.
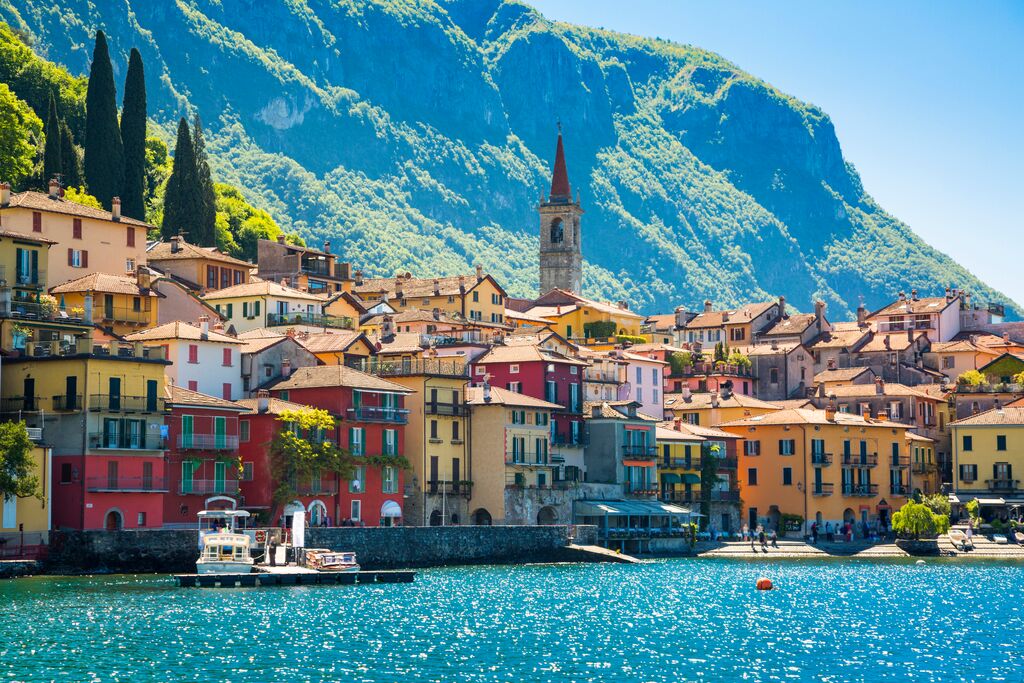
x=529, y=459
x=1002, y=484
x=24, y=278
x=126, y=404
x=317, y=488
x=860, y=490
x=122, y=314
x=116, y=484
x=640, y=489
x=822, y=459
x=452, y=409
x=860, y=459
x=305, y=318
x=208, y=442
x=560, y=439
x=205, y=487
x=919, y=467
x=728, y=463
x=688, y=497
x=644, y=452
x=899, y=461
x=126, y=442
x=899, y=490
x=67, y=403
x=438, y=367
x=18, y=404
x=378, y=414
x=725, y=496
x=683, y=463
x=316, y=268
x=991, y=388
x=704, y=369
x=822, y=489
x=450, y=488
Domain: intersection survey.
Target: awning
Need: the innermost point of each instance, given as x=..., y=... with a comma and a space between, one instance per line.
x=638, y=463
x=670, y=478
x=991, y=501
x=599, y=508
x=691, y=478
x=390, y=509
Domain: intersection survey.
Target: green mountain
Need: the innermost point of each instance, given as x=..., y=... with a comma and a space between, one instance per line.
x=418, y=135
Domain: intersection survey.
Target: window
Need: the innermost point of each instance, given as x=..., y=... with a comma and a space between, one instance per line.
x=751, y=447
x=639, y=376
x=247, y=471
x=356, y=440
x=948, y=362
x=78, y=258
x=518, y=417
x=65, y=473
x=131, y=237
x=654, y=376
x=225, y=278
x=573, y=370
x=227, y=358
x=513, y=369
x=76, y=228
x=968, y=443
x=357, y=484
x=129, y=265
x=142, y=519
x=193, y=353
x=37, y=221
x=389, y=479
x=968, y=473
x=787, y=476
x=480, y=370
x=752, y=476
x=1000, y=442
x=542, y=419
x=357, y=510
x=455, y=431
x=193, y=385
x=211, y=277
x=243, y=430
x=390, y=445
x=433, y=429
x=188, y=473
x=639, y=395
x=787, y=446
x=515, y=386
x=476, y=297
x=773, y=376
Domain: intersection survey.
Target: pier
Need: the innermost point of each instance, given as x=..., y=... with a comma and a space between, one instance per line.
x=292, y=576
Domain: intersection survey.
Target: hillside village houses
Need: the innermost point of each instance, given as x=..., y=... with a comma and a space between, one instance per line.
x=153, y=376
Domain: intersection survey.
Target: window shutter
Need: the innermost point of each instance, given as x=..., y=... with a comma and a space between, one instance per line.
x=782, y=446
x=257, y=309
x=131, y=237
x=71, y=257
x=85, y=259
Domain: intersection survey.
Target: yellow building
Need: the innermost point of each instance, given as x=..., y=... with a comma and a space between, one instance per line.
x=678, y=465
x=476, y=297
x=924, y=464
x=24, y=259
x=822, y=466
x=119, y=303
x=338, y=347
x=264, y=303
x=988, y=460
x=27, y=520
x=202, y=269
x=709, y=408
x=85, y=239
x=584, y=320
x=513, y=468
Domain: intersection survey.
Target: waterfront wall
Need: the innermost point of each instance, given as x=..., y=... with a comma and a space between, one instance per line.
x=175, y=550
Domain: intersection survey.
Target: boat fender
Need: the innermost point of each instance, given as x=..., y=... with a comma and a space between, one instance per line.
x=764, y=584
x=919, y=562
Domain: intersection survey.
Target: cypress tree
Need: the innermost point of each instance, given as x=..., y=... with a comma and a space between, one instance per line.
x=104, y=156
x=133, y=137
x=205, y=234
x=182, y=206
x=70, y=160
x=52, y=157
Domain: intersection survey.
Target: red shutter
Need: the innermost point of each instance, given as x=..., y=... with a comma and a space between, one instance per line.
x=85, y=259
x=37, y=221
x=227, y=357
x=131, y=237
x=76, y=228
x=71, y=257
x=227, y=391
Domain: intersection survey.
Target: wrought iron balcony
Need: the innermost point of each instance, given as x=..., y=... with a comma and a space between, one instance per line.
x=126, y=442
x=117, y=484
x=437, y=367
x=860, y=459
x=378, y=414
x=560, y=439
x=34, y=279
x=529, y=459
x=683, y=463
x=822, y=489
x=687, y=497
x=451, y=409
x=450, y=488
x=1005, y=485
x=67, y=403
x=306, y=318
x=228, y=487
x=642, y=452
x=899, y=461
x=860, y=490
x=728, y=463
x=920, y=467
x=18, y=404
x=208, y=442
x=899, y=490
x=725, y=496
x=112, y=403
x=821, y=459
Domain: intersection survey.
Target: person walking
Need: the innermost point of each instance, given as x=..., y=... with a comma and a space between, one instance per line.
x=814, y=533
x=829, y=535
x=775, y=539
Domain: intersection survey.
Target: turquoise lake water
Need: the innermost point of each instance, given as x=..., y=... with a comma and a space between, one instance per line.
x=672, y=620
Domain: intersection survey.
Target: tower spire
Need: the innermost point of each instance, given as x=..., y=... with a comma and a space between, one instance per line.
x=560, y=190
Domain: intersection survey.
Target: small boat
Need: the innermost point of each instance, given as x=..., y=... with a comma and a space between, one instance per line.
x=960, y=539
x=325, y=560
x=225, y=553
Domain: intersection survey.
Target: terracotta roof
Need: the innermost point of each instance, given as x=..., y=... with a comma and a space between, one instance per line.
x=180, y=396
x=103, y=282
x=559, y=175
x=181, y=330
x=898, y=341
x=958, y=346
x=416, y=315
x=499, y=396
x=841, y=374
x=838, y=338
x=275, y=406
x=913, y=436
x=768, y=350
x=402, y=342
x=667, y=434
x=161, y=251
x=934, y=304
x=38, y=201
x=701, y=431
x=330, y=342
x=805, y=416
x=529, y=317
x=702, y=400
x=662, y=321
x=258, y=344
x=868, y=390
x=525, y=353
x=39, y=239
x=647, y=348
x=337, y=376
x=549, y=303
x=790, y=325
x=261, y=288
x=413, y=287
x=1007, y=415
x=626, y=355
x=610, y=410
x=794, y=403
x=262, y=333
x=743, y=314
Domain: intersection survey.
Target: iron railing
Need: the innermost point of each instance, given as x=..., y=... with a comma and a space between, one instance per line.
x=1002, y=484
x=450, y=488
x=860, y=459
x=126, y=442
x=113, y=403
x=208, y=442
x=860, y=490
x=822, y=489
x=823, y=459
x=725, y=496
x=67, y=403
x=378, y=414
x=438, y=367
x=205, y=487
x=899, y=490
x=118, y=484
x=451, y=409
x=305, y=318
x=635, y=451
x=529, y=458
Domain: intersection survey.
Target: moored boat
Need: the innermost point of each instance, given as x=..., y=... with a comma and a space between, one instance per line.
x=329, y=561
x=225, y=553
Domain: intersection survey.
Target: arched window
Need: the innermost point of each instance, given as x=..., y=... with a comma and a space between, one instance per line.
x=557, y=232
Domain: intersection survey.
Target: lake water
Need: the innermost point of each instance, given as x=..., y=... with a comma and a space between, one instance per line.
x=673, y=620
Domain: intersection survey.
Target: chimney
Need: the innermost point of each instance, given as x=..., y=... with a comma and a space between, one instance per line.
x=462, y=284
x=262, y=401
x=624, y=305
x=903, y=297
x=204, y=326
x=487, y=391
x=280, y=239
x=782, y=306
x=687, y=396
x=359, y=278
x=399, y=288
x=286, y=367
x=218, y=326
x=175, y=244
x=1006, y=337
x=831, y=363
x=819, y=309
x=821, y=390
x=949, y=294
x=681, y=317
x=775, y=344
x=54, y=188
x=327, y=246
x=707, y=306
x=913, y=295
x=387, y=328
x=87, y=308
x=144, y=277
x=437, y=287
x=437, y=313
x=115, y=209
x=714, y=400
x=479, y=272
x=879, y=386
x=5, y=194
x=862, y=315
x=887, y=342
x=865, y=413
x=725, y=316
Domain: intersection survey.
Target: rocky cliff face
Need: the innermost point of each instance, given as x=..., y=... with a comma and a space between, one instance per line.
x=418, y=136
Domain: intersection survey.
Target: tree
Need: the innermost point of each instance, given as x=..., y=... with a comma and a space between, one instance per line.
x=679, y=361
x=709, y=463
x=133, y=137
x=80, y=196
x=181, y=197
x=738, y=359
x=204, y=232
x=971, y=378
x=52, y=156
x=937, y=503
x=17, y=476
x=915, y=520
x=104, y=154
x=301, y=452
x=70, y=157
x=240, y=225
x=158, y=169
x=20, y=129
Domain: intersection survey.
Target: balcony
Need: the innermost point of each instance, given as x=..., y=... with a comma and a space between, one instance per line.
x=860, y=490
x=207, y=442
x=1002, y=485
x=122, y=315
x=728, y=463
x=725, y=496
x=204, y=487
x=115, y=484
x=683, y=463
x=639, y=452
x=529, y=459
x=901, y=490
x=450, y=409
x=922, y=467
x=378, y=414
x=990, y=388
x=705, y=369
x=19, y=404
x=685, y=497
x=860, y=459
x=436, y=367
x=65, y=403
x=560, y=439
x=450, y=488
x=317, y=488
x=24, y=279
x=306, y=318
x=899, y=461
x=640, y=489
x=126, y=442
x=822, y=489
x=316, y=266
x=599, y=377
x=112, y=403
x=821, y=459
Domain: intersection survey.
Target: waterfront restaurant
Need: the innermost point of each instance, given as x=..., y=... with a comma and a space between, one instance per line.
x=637, y=526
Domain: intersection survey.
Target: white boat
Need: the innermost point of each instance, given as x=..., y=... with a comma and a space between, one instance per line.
x=329, y=561
x=225, y=553
x=960, y=539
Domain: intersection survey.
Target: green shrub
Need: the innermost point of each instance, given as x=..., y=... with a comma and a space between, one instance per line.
x=971, y=378
x=915, y=520
x=599, y=329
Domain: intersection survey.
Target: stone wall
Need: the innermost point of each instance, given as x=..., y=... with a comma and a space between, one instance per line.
x=176, y=550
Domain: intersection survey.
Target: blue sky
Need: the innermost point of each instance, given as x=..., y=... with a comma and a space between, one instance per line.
x=927, y=99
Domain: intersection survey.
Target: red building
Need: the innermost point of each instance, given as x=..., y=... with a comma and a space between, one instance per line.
x=371, y=418
x=535, y=371
x=202, y=456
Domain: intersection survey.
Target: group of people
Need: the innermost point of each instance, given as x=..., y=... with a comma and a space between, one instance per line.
x=761, y=536
x=846, y=530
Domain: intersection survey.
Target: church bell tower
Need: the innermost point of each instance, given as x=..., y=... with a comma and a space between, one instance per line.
x=561, y=253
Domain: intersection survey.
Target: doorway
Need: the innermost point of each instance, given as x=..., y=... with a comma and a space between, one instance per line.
x=114, y=521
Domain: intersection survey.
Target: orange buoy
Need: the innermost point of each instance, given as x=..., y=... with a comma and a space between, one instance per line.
x=764, y=584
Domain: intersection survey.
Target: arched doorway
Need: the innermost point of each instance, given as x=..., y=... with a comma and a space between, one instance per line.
x=390, y=513
x=435, y=518
x=318, y=514
x=547, y=516
x=290, y=510
x=114, y=521
x=774, y=518
x=481, y=517
x=455, y=519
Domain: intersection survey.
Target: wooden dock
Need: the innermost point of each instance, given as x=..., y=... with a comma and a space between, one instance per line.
x=292, y=576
